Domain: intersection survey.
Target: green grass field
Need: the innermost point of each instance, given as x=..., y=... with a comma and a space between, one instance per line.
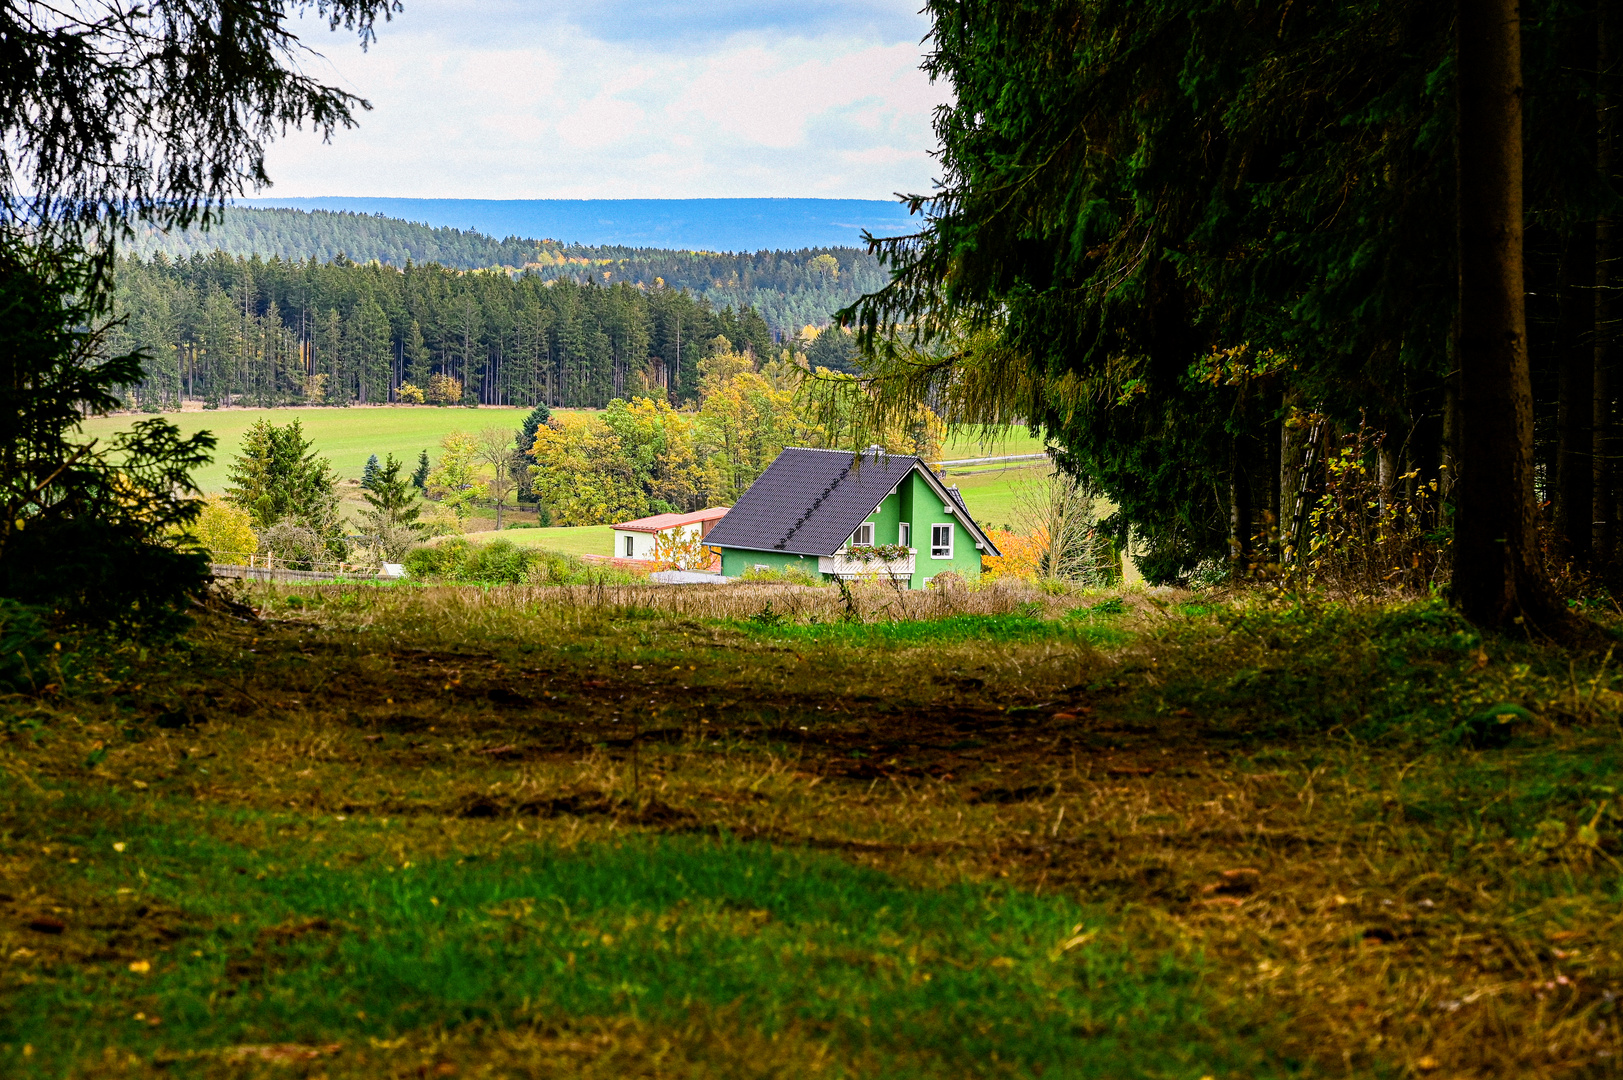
x=575, y=540
x=346, y=437
x=993, y=494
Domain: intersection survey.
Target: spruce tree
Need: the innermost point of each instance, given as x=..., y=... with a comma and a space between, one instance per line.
x=419, y=478
x=391, y=523
x=279, y=480
x=369, y=475
x=526, y=432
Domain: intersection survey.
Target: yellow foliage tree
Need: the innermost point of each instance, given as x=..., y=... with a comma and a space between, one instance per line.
x=681, y=549
x=444, y=390
x=455, y=481
x=224, y=531
x=584, y=473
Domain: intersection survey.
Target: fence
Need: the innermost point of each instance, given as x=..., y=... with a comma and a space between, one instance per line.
x=269, y=568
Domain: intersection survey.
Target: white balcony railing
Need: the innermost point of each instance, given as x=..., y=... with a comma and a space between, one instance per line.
x=848, y=566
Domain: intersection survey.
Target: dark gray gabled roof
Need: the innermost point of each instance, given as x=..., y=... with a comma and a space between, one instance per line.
x=809, y=502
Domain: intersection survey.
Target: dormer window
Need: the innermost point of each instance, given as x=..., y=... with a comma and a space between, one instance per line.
x=863, y=537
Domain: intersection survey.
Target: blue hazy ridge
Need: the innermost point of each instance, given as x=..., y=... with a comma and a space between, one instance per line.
x=684, y=224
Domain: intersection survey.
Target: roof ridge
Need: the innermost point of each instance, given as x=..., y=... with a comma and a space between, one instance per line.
x=853, y=453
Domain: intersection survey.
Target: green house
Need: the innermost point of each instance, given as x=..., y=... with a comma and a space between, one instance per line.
x=843, y=515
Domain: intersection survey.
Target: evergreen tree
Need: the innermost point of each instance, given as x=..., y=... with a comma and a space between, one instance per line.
x=369, y=474
x=1183, y=238
x=419, y=478
x=391, y=520
x=278, y=479
x=526, y=432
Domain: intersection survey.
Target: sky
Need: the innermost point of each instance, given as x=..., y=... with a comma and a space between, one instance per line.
x=520, y=99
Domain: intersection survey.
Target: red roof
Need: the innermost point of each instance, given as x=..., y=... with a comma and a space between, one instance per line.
x=661, y=522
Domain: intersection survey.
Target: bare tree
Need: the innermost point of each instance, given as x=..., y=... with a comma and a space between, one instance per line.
x=496, y=449
x=1060, y=509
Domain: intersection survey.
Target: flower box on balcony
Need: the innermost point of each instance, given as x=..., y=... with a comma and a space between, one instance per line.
x=846, y=565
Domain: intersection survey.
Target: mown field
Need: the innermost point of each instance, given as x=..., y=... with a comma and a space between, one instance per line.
x=765, y=831
x=347, y=437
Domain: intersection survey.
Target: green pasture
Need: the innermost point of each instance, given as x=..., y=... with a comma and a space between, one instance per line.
x=571, y=540
x=993, y=494
x=348, y=436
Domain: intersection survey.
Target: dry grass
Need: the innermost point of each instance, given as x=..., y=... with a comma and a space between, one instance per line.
x=1360, y=904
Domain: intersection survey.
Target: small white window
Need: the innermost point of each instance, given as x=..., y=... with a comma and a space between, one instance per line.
x=904, y=534
x=631, y=547
x=863, y=537
x=940, y=541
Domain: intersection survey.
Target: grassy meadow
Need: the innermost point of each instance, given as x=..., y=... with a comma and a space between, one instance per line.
x=568, y=539
x=347, y=437
x=770, y=831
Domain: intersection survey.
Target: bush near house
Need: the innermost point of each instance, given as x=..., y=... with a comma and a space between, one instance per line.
x=500, y=562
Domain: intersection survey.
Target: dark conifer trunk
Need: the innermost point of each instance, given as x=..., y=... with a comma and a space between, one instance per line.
x=1575, y=404
x=1601, y=426
x=1498, y=579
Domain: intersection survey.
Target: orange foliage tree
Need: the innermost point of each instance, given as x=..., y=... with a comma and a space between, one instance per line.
x=1022, y=555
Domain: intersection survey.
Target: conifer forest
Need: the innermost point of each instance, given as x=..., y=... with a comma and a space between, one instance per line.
x=252, y=331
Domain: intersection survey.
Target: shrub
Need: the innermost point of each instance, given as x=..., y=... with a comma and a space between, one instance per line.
x=224, y=531
x=497, y=563
x=444, y=390
x=21, y=646
x=556, y=568
x=440, y=561
x=792, y=574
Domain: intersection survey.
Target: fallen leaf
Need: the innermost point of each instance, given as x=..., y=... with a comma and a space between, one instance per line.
x=1428, y=1064
x=1079, y=940
x=140, y=967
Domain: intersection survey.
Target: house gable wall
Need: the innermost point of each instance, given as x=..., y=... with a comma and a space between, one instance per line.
x=923, y=508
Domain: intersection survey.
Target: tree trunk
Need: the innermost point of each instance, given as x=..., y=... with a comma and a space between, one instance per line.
x=1575, y=404
x=1498, y=578
x=1601, y=427
x=1240, y=517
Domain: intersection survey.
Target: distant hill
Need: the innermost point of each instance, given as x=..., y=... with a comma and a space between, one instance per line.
x=790, y=289
x=684, y=224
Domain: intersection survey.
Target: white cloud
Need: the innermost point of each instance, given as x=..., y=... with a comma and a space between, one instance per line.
x=597, y=108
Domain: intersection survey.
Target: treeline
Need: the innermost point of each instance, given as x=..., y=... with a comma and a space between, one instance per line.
x=1241, y=301
x=791, y=289
x=251, y=331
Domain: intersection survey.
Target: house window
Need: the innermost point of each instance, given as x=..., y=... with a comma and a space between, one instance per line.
x=631, y=547
x=940, y=541
x=863, y=537
x=904, y=534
